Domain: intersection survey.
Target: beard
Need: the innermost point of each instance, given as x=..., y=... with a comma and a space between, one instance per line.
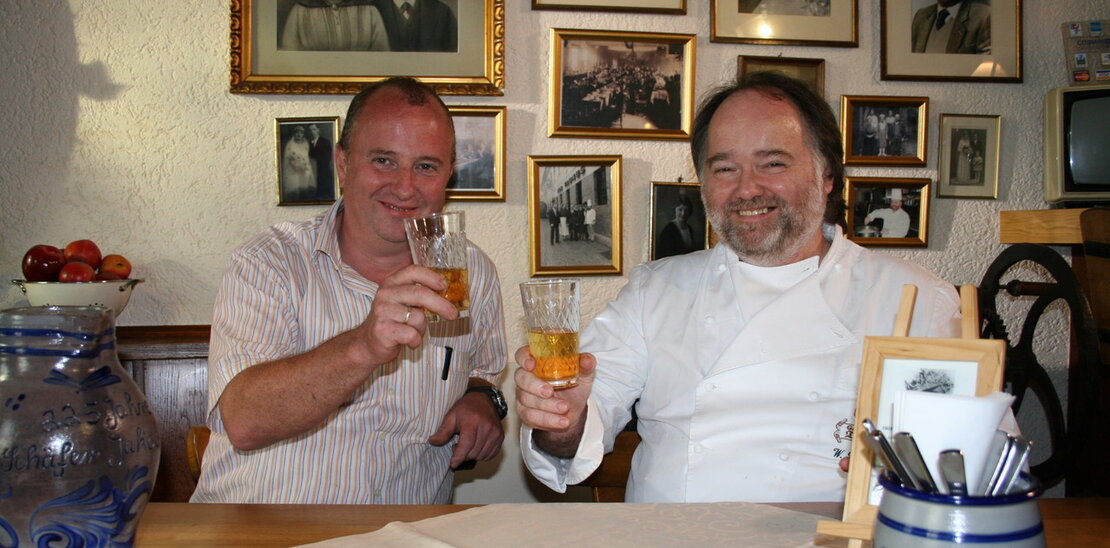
x=775, y=242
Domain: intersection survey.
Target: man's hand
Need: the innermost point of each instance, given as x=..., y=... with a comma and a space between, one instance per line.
x=397, y=316
x=475, y=421
x=558, y=416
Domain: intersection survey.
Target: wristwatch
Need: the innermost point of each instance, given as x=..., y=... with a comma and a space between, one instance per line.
x=495, y=396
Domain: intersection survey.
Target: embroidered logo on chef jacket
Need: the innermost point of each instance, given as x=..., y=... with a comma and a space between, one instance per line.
x=842, y=433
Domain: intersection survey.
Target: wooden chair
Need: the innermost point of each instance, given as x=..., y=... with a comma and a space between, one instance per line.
x=196, y=441
x=608, y=481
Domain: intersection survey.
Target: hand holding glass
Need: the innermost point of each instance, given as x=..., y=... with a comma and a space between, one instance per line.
x=551, y=312
x=438, y=242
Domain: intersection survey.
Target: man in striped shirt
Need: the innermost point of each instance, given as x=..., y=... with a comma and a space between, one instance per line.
x=326, y=383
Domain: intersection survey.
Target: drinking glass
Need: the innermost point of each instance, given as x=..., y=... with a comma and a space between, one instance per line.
x=551, y=313
x=438, y=241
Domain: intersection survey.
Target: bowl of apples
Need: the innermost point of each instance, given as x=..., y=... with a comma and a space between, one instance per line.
x=76, y=275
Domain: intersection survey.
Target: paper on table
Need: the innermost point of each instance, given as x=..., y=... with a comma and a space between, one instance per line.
x=947, y=421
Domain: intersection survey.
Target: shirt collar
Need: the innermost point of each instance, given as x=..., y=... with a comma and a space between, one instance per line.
x=327, y=238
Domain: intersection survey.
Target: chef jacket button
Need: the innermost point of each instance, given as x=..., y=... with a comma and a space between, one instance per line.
x=721, y=268
x=708, y=320
x=784, y=456
x=814, y=396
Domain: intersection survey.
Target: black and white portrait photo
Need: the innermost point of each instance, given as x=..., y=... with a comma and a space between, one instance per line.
x=881, y=130
x=786, y=7
x=368, y=25
x=678, y=221
x=968, y=154
x=306, y=162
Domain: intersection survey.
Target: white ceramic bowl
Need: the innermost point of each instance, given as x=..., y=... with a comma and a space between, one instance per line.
x=112, y=294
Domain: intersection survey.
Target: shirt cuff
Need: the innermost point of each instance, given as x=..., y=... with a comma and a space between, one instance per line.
x=557, y=473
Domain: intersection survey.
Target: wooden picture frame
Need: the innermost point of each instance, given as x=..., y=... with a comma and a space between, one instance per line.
x=306, y=162
x=479, y=154
x=986, y=356
x=810, y=71
x=668, y=7
x=593, y=94
x=562, y=242
x=870, y=140
x=666, y=238
x=990, y=55
x=870, y=200
x=261, y=62
x=969, y=156
x=832, y=23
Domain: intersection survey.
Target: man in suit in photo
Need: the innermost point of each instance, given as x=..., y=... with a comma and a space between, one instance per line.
x=419, y=25
x=320, y=153
x=952, y=26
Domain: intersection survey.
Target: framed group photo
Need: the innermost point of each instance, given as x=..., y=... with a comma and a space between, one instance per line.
x=479, y=154
x=980, y=42
x=284, y=46
x=621, y=85
x=969, y=156
x=306, y=160
x=669, y=7
x=884, y=130
x=829, y=23
x=884, y=211
x=810, y=71
x=678, y=223
x=574, y=215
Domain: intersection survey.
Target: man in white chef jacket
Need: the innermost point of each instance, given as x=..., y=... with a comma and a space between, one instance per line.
x=742, y=361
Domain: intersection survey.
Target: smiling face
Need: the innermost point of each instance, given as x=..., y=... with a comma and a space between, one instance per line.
x=763, y=186
x=396, y=165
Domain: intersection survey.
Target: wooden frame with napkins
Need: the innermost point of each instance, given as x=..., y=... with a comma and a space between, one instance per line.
x=986, y=356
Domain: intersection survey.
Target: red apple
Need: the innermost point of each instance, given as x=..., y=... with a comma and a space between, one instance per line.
x=42, y=263
x=116, y=264
x=83, y=250
x=76, y=271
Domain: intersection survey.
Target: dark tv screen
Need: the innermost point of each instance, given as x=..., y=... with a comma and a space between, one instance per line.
x=1088, y=134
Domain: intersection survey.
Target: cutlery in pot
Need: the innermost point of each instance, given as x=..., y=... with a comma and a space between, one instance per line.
x=906, y=449
x=951, y=466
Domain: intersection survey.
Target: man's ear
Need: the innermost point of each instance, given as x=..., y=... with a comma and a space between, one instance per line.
x=340, y=164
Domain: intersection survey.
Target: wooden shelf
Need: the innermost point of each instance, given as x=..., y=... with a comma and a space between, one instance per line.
x=162, y=342
x=1041, y=226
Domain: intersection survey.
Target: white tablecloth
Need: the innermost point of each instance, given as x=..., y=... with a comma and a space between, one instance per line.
x=602, y=525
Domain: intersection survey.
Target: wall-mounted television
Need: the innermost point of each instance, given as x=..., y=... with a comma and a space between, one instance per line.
x=1077, y=145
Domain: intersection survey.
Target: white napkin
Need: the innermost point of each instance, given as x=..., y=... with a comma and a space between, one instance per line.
x=945, y=421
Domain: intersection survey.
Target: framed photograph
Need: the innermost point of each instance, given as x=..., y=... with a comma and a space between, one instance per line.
x=969, y=153
x=810, y=71
x=969, y=367
x=621, y=85
x=671, y=7
x=678, y=223
x=574, y=215
x=981, y=42
x=884, y=211
x=277, y=46
x=479, y=154
x=883, y=130
x=829, y=23
x=306, y=160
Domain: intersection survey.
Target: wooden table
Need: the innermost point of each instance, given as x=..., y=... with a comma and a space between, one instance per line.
x=1068, y=522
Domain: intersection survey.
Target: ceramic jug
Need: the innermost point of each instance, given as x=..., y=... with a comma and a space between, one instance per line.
x=79, y=446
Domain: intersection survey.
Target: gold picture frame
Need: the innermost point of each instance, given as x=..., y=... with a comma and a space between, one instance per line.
x=586, y=101
x=991, y=57
x=562, y=243
x=869, y=201
x=810, y=71
x=905, y=353
x=665, y=239
x=668, y=7
x=260, y=65
x=479, y=154
x=306, y=161
x=969, y=156
x=833, y=24
x=870, y=140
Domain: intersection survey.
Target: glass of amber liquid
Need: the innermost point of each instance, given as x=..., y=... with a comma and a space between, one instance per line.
x=551, y=312
x=438, y=241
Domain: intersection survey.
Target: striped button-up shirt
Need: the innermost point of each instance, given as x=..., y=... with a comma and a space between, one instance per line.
x=285, y=292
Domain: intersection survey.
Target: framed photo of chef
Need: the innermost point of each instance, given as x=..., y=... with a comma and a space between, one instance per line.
x=884, y=130
x=574, y=215
x=976, y=41
x=621, y=85
x=305, y=160
x=885, y=211
x=291, y=47
x=669, y=7
x=969, y=155
x=479, y=154
x=798, y=23
x=678, y=223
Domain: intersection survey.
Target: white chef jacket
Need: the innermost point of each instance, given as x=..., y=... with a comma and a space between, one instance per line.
x=732, y=408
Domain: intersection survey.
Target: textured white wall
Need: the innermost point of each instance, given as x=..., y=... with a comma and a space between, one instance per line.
x=121, y=129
